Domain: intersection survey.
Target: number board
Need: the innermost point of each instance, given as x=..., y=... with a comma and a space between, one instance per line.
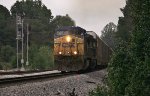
x=68, y=45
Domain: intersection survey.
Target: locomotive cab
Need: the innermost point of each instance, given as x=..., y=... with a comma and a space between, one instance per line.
x=69, y=48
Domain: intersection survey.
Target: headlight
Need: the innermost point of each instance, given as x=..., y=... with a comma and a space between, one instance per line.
x=60, y=52
x=75, y=52
x=68, y=38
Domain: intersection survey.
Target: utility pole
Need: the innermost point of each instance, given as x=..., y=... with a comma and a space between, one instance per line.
x=22, y=38
x=27, y=62
x=18, y=37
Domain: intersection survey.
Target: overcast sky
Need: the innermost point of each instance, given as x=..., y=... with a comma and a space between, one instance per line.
x=91, y=15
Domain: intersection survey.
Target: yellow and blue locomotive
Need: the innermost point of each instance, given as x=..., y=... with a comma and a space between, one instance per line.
x=77, y=49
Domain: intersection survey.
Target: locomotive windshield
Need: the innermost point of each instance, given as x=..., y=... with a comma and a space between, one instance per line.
x=61, y=33
x=69, y=31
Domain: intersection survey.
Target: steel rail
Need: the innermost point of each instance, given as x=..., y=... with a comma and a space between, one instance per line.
x=33, y=77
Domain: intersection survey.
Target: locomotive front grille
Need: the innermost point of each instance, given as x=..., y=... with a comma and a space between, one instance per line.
x=71, y=63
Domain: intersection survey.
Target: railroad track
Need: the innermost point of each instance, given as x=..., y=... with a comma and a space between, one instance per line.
x=34, y=77
x=40, y=76
x=22, y=72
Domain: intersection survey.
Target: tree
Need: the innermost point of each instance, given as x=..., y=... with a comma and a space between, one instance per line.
x=108, y=34
x=4, y=13
x=132, y=79
x=4, y=19
x=32, y=10
x=7, y=39
x=60, y=21
x=129, y=69
x=37, y=16
x=139, y=81
x=125, y=24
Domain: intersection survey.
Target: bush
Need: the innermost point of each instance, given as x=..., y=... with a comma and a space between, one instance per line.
x=99, y=91
x=42, y=58
x=6, y=53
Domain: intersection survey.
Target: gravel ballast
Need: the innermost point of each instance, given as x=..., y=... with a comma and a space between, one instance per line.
x=82, y=84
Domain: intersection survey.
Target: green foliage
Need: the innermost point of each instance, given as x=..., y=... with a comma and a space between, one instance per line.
x=32, y=9
x=6, y=34
x=125, y=24
x=60, y=21
x=6, y=53
x=119, y=70
x=14, y=61
x=99, y=91
x=39, y=30
x=1, y=66
x=33, y=50
x=129, y=69
x=5, y=66
x=41, y=58
x=140, y=50
x=4, y=13
x=37, y=16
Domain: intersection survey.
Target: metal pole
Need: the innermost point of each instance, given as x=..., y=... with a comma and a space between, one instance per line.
x=27, y=62
x=17, y=55
x=22, y=60
x=17, y=38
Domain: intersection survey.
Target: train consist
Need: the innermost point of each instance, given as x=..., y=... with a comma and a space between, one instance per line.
x=77, y=49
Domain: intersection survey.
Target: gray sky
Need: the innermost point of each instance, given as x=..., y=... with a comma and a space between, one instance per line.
x=91, y=15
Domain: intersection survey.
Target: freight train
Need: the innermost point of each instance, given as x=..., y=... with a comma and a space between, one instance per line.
x=76, y=49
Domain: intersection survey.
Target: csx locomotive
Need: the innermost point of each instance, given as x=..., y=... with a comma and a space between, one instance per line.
x=77, y=49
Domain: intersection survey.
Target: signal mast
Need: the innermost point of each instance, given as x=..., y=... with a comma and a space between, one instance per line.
x=19, y=37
